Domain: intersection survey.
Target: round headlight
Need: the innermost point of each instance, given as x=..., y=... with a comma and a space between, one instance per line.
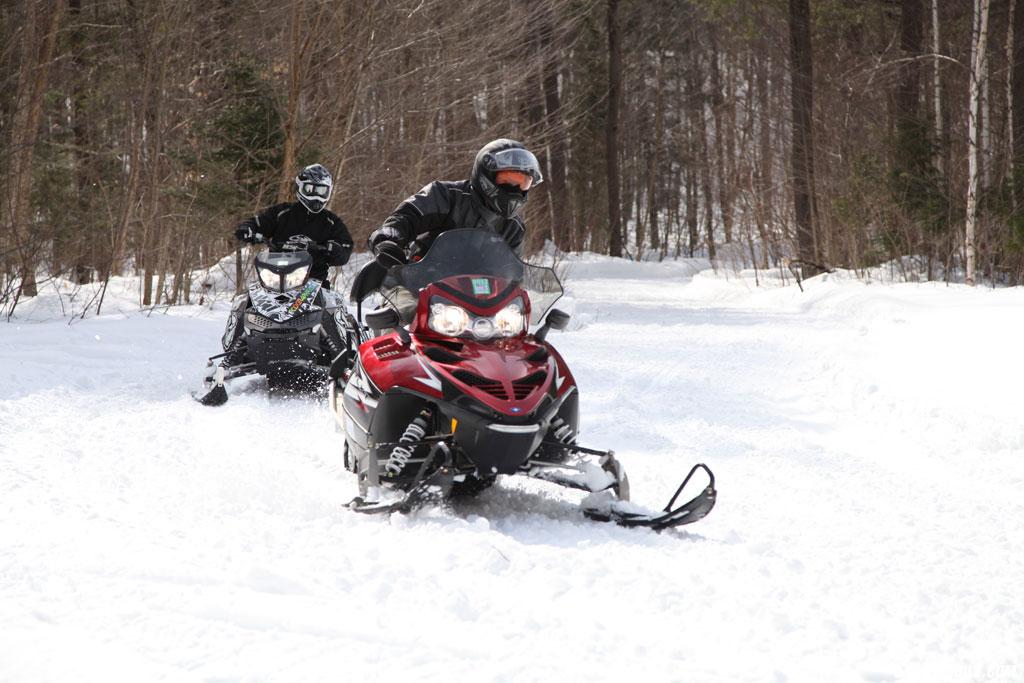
x=483, y=328
x=448, y=320
x=510, y=320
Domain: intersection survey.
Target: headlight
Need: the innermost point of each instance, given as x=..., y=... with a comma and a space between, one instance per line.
x=448, y=320
x=454, y=321
x=269, y=279
x=510, y=320
x=295, y=278
x=483, y=328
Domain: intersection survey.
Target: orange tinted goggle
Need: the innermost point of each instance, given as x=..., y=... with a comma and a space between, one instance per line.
x=518, y=178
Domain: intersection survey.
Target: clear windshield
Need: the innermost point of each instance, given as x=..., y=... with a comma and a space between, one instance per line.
x=282, y=271
x=479, y=252
x=282, y=261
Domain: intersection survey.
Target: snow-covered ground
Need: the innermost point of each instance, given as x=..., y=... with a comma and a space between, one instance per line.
x=867, y=440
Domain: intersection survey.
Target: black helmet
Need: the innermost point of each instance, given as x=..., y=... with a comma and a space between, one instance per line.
x=313, y=187
x=503, y=172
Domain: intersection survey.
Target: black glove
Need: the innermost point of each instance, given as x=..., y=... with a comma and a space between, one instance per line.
x=389, y=254
x=337, y=252
x=245, y=233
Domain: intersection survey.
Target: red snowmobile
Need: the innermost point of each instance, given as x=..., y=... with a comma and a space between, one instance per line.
x=467, y=393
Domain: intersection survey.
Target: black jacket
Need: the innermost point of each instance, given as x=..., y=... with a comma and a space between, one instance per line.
x=444, y=205
x=282, y=221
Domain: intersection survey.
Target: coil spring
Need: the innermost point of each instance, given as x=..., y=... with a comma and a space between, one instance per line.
x=332, y=346
x=401, y=453
x=562, y=431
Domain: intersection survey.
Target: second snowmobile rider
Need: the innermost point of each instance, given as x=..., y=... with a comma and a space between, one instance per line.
x=309, y=217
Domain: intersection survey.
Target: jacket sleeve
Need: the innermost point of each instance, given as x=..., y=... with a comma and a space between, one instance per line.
x=265, y=222
x=425, y=211
x=339, y=233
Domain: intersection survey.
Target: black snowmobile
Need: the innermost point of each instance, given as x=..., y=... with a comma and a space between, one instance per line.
x=284, y=327
x=467, y=393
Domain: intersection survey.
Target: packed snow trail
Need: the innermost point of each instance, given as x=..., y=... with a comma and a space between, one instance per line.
x=867, y=442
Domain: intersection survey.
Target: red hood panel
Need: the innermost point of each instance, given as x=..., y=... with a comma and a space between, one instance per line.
x=511, y=376
x=389, y=363
x=499, y=374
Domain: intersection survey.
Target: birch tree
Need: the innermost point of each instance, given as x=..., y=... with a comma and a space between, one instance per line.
x=979, y=68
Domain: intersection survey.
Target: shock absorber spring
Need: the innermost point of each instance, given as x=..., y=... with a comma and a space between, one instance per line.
x=562, y=431
x=401, y=453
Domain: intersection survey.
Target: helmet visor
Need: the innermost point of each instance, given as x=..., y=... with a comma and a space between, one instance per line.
x=519, y=160
x=520, y=179
x=314, y=190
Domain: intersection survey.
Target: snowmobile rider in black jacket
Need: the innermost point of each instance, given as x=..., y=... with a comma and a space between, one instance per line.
x=492, y=199
x=307, y=217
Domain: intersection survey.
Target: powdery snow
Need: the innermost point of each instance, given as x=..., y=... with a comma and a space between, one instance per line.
x=866, y=438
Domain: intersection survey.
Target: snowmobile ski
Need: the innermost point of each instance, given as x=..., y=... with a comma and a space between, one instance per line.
x=425, y=490
x=218, y=394
x=214, y=392
x=626, y=514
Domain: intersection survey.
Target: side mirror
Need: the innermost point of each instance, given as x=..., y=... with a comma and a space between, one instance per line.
x=556, y=319
x=368, y=280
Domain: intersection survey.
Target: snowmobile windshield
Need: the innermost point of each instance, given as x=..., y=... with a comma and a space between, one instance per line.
x=479, y=252
x=281, y=271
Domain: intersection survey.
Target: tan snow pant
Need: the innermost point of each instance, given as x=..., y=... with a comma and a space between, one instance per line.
x=403, y=301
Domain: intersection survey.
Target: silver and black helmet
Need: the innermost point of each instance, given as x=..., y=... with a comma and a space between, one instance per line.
x=313, y=187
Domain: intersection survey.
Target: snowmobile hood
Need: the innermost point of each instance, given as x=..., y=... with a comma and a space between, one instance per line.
x=510, y=376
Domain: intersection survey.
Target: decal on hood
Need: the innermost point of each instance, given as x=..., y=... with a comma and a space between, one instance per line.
x=280, y=307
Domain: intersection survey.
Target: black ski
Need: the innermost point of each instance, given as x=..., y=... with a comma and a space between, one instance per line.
x=691, y=511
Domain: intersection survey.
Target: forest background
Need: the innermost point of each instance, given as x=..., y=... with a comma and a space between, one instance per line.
x=808, y=135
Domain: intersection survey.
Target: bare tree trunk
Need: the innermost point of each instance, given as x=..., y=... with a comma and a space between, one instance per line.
x=985, y=127
x=532, y=110
x=979, y=66
x=939, y=156
x=557, y=191
x=691, y=212
x=290, y=122
x=765, y=160
x=1017, y=108
x=239, y=271
x=705, y=179
x=155, y=121
x=801, y=70
x=655, y=160
x=1008, y=168
x=37, y=55
x=82, y=257
x=305, y=32
x=135, y=155
x=717, y=104
x=612, y=130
